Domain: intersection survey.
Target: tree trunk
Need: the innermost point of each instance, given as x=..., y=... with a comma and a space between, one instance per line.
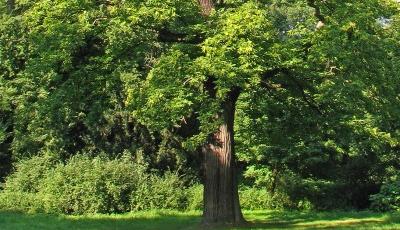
x=221, y=199
x=206, y=6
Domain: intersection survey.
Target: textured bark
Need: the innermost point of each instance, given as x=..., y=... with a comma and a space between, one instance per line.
x=206, y=6
x=221, y=199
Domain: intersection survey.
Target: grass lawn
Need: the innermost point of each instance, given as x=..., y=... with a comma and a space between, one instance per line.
x=191, y=220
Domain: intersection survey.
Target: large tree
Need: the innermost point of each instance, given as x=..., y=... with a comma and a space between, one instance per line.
x=247, y=46
x=84, y=75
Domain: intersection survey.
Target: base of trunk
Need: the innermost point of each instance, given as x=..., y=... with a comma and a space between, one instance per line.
x=214, y=223
x=217, y=225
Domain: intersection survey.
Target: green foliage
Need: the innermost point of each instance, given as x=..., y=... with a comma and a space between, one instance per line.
x=93, y=77
x=255, y=199
x=92, y=185
x=85, y=185
x=195, y=197
x=239, y=48
x=30, y=173
x=166, y=192
x=21, y=188
x=324, y=130
x=388, y=198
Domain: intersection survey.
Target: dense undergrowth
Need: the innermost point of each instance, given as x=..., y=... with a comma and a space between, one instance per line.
x=100, y=185
x=84, y=185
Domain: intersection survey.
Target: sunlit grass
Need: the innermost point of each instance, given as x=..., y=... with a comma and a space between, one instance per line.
x=322, y=220
x=191, y=220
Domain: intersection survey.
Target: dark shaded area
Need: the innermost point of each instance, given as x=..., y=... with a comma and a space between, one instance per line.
x=5, y=145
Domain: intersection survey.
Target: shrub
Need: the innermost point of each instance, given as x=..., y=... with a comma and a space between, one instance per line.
x=86, y=185
x=90, y=185
x=195, y=197
x=29, y=174
x=251, y=198
x=100, y=185
x=388, y=199
x=20, y=201
x=21, y=187
x=155, y=192
x=254, y=198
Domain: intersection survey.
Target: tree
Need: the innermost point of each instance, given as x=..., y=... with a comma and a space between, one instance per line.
x=217, y=78
x=244, y=50
x=90, y=76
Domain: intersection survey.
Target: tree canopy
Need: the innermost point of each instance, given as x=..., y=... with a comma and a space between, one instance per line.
x=312, y=84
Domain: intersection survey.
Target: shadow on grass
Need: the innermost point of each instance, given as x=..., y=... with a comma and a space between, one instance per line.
x=175, y=220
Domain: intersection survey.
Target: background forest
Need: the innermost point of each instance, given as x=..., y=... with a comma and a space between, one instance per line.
x=103, y=106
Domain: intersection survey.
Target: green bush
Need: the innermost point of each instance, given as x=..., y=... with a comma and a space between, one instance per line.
x=85, y=185
x=251, y=198
x=21, y=188
x=90, y=185
x=255, y=198
x=155, y=192
x=195, y=197
x=388, y=199
x=30, y=173
x=20, y=201
x=100, y=185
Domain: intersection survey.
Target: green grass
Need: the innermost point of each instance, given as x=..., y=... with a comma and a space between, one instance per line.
x=323, y=220
x=191, y=220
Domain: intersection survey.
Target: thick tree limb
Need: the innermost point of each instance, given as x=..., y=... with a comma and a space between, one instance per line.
x=270, y=74
x=210, y=87
x=273, y=72
x=317, y=14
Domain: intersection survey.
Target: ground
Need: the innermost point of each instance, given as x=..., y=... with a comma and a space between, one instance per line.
x=191, y=220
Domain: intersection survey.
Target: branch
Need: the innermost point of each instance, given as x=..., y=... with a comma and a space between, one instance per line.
x=270, y=74
x=317, y=13
x=210, y=87
x=169, y=36
x=274, y=72
x=310, y=102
